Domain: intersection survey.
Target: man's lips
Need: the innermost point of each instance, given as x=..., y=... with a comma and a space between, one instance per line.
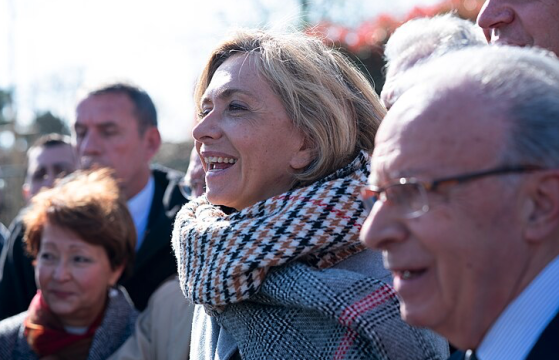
x=504, y=42
x=407, y=274
x=501, y=39
x=409, y=282
x=88, y=163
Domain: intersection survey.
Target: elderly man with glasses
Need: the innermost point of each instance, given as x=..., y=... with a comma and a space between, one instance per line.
x=464, y=201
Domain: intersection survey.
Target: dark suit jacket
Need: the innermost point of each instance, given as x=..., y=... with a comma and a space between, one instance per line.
x=3, y=235
x=154, y=261
x=546, y=348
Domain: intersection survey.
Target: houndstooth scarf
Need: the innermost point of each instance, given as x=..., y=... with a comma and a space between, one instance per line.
x=223, y=259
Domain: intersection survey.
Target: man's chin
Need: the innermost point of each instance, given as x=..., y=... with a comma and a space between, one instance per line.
x=412, y=315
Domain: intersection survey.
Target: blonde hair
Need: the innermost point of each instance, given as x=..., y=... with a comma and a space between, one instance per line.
x=323, y=93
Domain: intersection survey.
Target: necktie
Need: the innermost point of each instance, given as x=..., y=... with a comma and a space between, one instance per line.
x=470, y=355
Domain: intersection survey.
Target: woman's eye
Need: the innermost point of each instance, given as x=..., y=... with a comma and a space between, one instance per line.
x=237, y=107
x=203, y=113
x=81, y=259
x=46, y=256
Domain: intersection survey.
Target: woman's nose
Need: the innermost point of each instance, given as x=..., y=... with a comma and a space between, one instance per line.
x=61, y=271
x=208, y=128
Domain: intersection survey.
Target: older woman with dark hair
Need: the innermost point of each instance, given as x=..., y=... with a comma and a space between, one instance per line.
x=271, y=254
x=82, y=238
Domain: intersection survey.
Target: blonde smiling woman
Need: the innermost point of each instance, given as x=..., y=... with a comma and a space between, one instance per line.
x=271, y=255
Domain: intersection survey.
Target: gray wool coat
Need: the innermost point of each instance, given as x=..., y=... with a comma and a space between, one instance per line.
x=347, y=312
x=116, y=327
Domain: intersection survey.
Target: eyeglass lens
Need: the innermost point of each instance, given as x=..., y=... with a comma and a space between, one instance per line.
x=409, y=198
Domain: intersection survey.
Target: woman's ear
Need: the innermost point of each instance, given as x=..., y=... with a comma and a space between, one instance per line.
x=115, y=275
x=304, y=156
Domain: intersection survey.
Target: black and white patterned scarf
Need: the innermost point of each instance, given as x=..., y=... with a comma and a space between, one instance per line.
x=223, y=259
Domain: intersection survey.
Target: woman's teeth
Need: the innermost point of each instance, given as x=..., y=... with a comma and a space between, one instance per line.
x=219, y=160
x=212, y=161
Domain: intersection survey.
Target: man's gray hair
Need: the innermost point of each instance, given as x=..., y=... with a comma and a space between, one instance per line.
x=520, y=83
x=419, y=40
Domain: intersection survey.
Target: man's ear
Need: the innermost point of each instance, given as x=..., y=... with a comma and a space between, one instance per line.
x=152, y=139
x=26, y=192
x=542, y=206
x=302, y=158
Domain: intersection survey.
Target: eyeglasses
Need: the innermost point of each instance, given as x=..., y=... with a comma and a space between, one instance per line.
x=409, y=195
x=184, y=187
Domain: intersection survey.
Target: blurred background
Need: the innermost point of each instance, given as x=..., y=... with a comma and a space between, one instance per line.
x=51, y=51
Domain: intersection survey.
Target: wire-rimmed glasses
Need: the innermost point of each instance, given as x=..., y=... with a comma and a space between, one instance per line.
x=409, y=195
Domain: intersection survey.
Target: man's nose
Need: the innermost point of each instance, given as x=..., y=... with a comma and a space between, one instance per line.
x=493, y=15
x=90, y=144
x=382, y=228
x=48, y=180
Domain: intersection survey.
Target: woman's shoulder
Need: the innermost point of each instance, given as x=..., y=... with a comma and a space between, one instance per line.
x=11, y=325
x=116, y=327
x=9, y=334
x=367, y=263
x=352, y=300
x=120, y=311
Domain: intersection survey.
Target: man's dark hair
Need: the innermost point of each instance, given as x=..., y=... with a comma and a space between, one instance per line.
x=51, y=140
x=143, y=105
x=46, y=142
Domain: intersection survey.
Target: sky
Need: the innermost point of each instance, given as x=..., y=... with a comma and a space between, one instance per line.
x=52, y=51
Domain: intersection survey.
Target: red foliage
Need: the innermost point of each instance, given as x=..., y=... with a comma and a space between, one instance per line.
x=371, y=35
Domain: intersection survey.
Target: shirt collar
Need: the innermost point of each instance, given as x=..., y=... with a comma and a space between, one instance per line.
x=518, y=328
x=140, y=205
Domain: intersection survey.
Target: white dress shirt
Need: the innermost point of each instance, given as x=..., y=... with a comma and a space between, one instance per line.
x=139, y=207
x=517, y=330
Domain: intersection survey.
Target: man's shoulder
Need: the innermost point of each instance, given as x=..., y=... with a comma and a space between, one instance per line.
x=547, y=346
x=164, y=174
x=167, y=189
x=458, y=355
x=3, y=234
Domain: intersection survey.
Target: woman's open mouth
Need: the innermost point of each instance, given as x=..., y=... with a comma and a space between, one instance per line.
x=219, y=162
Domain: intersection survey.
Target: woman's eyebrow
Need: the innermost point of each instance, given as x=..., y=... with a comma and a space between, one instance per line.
x=227, y=93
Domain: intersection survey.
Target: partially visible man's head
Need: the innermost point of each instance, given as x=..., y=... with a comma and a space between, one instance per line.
x=521, y=23
x=194, y=182
x=465, y=173
x=116, y=126
x=49, y=158
x=421, y=39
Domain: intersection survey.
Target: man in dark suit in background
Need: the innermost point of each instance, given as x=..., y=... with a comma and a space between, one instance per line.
x=116, y=127
x=464, y=199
